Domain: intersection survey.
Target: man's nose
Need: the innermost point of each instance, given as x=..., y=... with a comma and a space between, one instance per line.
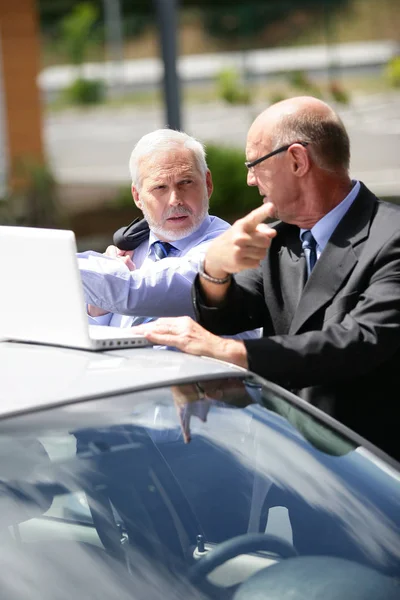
x=175, y=198
x=251, y=180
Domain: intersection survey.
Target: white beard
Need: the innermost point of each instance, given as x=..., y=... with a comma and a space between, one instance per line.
x=173, y=234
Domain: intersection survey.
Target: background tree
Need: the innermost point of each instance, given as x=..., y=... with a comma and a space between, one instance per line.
x=78, y=33
x=232, y=24
x=77, y=29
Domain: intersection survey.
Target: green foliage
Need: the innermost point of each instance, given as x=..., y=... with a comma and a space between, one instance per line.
x=124, y=197
x=77, y=35
x=76, y=30
x=339, y=93
x=230, y=88
x=301, y=82
x=232, y=197
x=277, y=96
x=240, y=20
x=136, y=24
x=244, y=20
x=85, y=91
x=35, y=203
x=392, y=72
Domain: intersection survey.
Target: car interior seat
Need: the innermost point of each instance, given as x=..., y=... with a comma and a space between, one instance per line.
x=133, y=495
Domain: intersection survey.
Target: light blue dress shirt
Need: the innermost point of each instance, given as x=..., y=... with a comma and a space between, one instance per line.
x=155, y=288
x=323, y=230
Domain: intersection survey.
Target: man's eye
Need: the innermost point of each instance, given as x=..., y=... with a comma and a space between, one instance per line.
x=160, y=187
x=186, y=181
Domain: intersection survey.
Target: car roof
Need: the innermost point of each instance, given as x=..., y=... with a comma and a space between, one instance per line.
x=35, y=376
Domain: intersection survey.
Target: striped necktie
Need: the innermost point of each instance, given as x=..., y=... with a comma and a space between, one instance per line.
x=309, y=245
x=162, y=249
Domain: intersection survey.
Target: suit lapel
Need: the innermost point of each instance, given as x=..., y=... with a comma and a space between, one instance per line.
x=284, y=276
x=338, y=259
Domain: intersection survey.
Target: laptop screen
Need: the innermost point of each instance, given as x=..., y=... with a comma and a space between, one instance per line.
x=42, y=297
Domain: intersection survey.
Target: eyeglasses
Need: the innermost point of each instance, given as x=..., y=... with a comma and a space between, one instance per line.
x=253, y=163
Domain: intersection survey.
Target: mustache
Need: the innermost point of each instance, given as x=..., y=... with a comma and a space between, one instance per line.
x=178, y=211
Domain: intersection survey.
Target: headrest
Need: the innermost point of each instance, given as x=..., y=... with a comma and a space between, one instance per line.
x=21, y=498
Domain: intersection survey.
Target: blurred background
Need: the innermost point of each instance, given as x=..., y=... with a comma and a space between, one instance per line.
x=82, y=81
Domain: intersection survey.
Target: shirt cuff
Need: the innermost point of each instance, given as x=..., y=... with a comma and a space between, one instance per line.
x=102, y=320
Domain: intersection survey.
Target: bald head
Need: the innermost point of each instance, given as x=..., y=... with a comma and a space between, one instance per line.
x=294, y=107
x=304, y=119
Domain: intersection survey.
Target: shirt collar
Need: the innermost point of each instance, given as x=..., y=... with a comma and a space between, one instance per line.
x=323, y=230
x=183, y=243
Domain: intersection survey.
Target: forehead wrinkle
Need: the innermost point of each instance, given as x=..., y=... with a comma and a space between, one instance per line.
x=255, y=148
x=168, y=167
x=169, y=173
x=262, y=131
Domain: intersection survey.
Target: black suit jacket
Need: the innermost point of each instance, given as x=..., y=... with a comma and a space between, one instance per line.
x=334, y=340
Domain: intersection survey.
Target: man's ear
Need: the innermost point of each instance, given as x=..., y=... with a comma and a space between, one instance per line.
x=136, y=197
x=300, y=160
x=209, y=183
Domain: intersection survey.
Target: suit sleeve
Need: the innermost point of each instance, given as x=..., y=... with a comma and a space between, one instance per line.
x=243, y=309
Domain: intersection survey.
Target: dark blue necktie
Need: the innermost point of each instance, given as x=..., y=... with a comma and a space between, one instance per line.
x=309, y=245
x=161, y=250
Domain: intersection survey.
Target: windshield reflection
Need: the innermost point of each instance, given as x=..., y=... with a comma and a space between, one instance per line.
x=157, y=469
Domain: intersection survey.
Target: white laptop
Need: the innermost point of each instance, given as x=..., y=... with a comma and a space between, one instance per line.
x=41, y=297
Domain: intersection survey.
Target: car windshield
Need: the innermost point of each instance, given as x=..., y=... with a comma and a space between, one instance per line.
x=193, y=487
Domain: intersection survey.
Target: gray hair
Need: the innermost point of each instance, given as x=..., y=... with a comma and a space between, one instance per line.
x=163, y=140
x=326, y=134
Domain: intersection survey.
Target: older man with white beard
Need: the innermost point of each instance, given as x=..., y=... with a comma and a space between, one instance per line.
x=171, y=185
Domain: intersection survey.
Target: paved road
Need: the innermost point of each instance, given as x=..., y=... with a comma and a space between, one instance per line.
x=93, y=147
